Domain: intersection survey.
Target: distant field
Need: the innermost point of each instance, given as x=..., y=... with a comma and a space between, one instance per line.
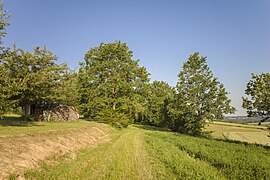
x=240, y=132
x=262, y=124
x=242, y=119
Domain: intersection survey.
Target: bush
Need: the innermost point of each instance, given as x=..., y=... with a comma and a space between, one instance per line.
x=114, y=118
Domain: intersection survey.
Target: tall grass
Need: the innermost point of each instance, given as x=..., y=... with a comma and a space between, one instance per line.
x=234, y=161
x=175, y=163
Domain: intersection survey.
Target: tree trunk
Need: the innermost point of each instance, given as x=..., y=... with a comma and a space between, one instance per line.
x=26, y=111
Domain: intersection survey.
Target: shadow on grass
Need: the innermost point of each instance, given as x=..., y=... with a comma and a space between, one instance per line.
x=240, y=142
x=16, y=121
x=151, y=128
x=205, y=135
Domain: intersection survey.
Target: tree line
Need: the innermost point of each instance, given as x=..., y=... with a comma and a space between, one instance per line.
x=110, y=86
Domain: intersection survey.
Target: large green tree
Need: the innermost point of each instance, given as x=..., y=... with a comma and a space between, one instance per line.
x=258, y=90
x=111, y=84
x=4, y=22
x=32, y=78
x=199, y=97
x=158, y=99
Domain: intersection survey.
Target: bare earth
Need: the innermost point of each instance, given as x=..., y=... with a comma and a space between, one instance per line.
x=19, y=153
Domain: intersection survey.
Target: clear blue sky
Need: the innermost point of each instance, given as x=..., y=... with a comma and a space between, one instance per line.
x=233, y=34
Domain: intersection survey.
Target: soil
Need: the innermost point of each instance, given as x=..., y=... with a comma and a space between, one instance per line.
x=19, y=153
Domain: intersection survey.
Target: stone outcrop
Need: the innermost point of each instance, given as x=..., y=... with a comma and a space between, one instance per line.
x=57, y=113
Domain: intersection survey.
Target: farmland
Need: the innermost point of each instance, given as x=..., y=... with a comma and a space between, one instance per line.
x=88, y=150
x=239, y=132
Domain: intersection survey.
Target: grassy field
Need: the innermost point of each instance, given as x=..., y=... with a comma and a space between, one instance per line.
x=13, y=125
x=83, y=150
x=240, y=132
x=24, y=145
x=141, y=152
x=123, y=158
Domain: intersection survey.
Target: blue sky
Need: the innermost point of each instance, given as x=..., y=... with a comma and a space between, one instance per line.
x=234, y=35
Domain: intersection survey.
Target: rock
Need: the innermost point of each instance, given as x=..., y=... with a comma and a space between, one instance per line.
x=57, y=113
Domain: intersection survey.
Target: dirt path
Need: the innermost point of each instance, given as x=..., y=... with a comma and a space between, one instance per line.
x=19, y=153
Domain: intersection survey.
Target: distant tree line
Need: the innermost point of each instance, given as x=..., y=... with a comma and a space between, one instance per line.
x=111, y=87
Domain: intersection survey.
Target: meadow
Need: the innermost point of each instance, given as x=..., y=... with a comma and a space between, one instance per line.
x=137, y=152
x=14, y=125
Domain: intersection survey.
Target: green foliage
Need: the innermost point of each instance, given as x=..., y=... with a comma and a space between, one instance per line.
x=4, y=22
x=114, y=118
x=199, y=97
x=258, y=90
x=68, y=89
x=32, y=78
x=160, y=95
x=6, y=92
x=111, y=84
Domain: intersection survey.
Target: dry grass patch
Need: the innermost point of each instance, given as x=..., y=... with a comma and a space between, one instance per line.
x=239, y=132
x=18, y=153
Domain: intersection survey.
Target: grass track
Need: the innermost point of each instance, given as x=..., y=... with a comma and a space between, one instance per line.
x=123, y=158
x=137, y=153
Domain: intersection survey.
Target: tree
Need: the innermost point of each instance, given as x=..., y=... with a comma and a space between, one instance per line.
x=160, y=95
x=258, y=90
x=32, y=79
x=111, y=83
x=68, y=89
x=4, y=22
x=199, y=97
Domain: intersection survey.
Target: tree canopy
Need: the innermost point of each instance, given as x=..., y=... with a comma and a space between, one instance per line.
x=258, y=90
x=111, y=83
x=32, y=78
x=111, y=87
x=158, y=99
x=4, y=22
x=199, y=97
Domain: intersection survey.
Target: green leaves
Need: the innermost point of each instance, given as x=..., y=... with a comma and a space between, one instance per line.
x=33, y=78
x=199, y=97
x=111, y=83
x=258, y=90
x=4, y=22
x=160, y=95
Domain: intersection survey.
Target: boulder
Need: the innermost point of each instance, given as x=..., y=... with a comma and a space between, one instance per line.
x=57, y=113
